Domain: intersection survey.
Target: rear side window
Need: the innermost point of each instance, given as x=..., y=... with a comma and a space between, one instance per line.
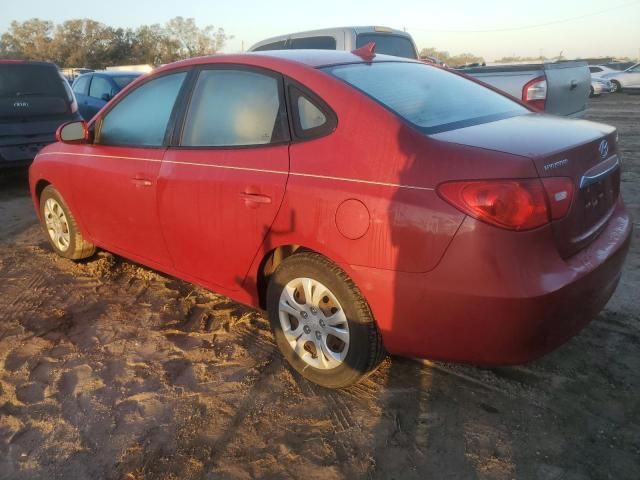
x=318, y=43
x=280, y=45
x=595, y=69
x=81, y=85
x=124, y=80
x=311, y=117
x=234, y=108
x=28, y=80
x=141, y=117
x=396, y=45
x=431, y=99
x=100, y=86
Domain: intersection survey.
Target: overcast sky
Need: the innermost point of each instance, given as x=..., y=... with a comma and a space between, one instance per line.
x=490, y=28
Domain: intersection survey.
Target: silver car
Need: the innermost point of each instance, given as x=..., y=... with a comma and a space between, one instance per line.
x=600, y=86
x=629, y=78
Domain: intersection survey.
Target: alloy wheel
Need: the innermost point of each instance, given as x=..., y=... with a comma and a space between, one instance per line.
x=314, y=323
x=57, y=224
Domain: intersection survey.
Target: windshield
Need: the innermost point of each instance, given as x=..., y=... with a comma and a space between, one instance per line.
x=124, y=80
x=22, y=80
x=396, y=45
x=431, y=99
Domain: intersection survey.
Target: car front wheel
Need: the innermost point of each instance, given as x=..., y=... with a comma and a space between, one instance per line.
x=61, y=227
x=321, y=322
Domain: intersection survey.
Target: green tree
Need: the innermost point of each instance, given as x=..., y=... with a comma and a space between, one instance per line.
x=450, y=60
x=30, y=39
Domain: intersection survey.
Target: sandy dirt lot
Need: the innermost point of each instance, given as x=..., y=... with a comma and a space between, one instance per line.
x=110, y=370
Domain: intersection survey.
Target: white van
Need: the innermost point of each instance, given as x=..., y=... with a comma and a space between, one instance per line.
x=388, y=41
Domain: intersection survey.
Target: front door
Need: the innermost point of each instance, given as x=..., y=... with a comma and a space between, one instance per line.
x=222, y=184
x=116, y=178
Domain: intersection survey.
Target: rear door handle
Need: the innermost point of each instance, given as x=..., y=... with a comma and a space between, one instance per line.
x=141, y=182
x=249, y=197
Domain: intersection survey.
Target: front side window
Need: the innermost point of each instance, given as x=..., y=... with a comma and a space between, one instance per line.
x=431, y=99
x=595, y=69
x=81, y=85
x=141, y=117
x=100, y=88
x=317, y=43
x=234, y=108
x=386, y=44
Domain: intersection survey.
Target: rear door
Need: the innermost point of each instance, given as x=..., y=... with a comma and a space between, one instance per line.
x=568, y=87
x=81, y=90
x=222, y=183
x=100, y=92
x=115, y=178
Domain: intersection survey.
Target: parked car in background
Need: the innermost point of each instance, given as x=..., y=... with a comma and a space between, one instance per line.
x=600, y=86
x=35, y=99
x=93, y=90
x=561, y=88
x=368, y=203
x=388, y=41
x=629, y=78
x=598, y=71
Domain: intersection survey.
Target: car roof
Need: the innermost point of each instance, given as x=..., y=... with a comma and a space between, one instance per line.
x=28, y=62
x=117, y=73
x=310, y=58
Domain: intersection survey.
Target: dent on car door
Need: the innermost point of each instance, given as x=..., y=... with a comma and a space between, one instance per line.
x=116, y=176
x=222, y=183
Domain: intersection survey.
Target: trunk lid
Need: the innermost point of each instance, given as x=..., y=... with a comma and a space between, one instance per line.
x=584, y=151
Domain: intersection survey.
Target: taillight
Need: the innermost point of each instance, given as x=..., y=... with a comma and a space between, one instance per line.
x=534, y=93
x=511, y=204
x=71, y=98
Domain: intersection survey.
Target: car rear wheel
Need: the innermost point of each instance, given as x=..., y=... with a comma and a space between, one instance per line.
x=321, y=322
x=615, y=87
x=60, y=225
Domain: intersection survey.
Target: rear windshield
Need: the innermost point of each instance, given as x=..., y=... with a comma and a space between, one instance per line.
x=24, y=80
x=396, y=45
x=431, y=99
x=124, y=80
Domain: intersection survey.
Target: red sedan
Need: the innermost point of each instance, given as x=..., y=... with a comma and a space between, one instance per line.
x=370, y=204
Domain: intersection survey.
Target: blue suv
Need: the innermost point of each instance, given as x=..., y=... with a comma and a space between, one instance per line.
x=93, y=90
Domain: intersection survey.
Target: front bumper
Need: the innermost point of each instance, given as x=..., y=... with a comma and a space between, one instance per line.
x=496, y=301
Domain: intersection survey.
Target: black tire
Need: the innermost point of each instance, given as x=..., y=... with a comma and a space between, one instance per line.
x=591, y=93
x=617, y=88
x=78, y=248
x=365, y=351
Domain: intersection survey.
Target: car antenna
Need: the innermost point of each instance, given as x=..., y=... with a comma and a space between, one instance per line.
x=367, y=51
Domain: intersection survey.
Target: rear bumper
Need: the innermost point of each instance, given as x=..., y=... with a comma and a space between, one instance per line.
x=23, y=153
x=496, y=301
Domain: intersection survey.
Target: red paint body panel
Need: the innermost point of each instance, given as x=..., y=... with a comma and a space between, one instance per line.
x=440, y=284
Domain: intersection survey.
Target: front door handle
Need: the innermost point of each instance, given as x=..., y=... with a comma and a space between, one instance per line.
x=255, y=198
x=141, y=182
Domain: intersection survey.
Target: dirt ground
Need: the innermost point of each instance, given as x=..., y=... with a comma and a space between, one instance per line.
x=110, y=370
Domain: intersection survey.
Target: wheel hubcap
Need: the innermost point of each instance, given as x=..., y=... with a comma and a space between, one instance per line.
x=57, y=224
x=314, y=323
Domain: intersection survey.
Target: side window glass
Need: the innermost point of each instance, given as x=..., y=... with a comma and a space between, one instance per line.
x=81, y=85
x=234, y=107
x=100, y=87
x=141, y=117
x=310, y=115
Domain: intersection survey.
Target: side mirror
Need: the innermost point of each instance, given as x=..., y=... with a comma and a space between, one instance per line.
x=73, y=132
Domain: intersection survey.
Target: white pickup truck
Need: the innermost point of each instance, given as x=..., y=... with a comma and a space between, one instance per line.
x=561, y=88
